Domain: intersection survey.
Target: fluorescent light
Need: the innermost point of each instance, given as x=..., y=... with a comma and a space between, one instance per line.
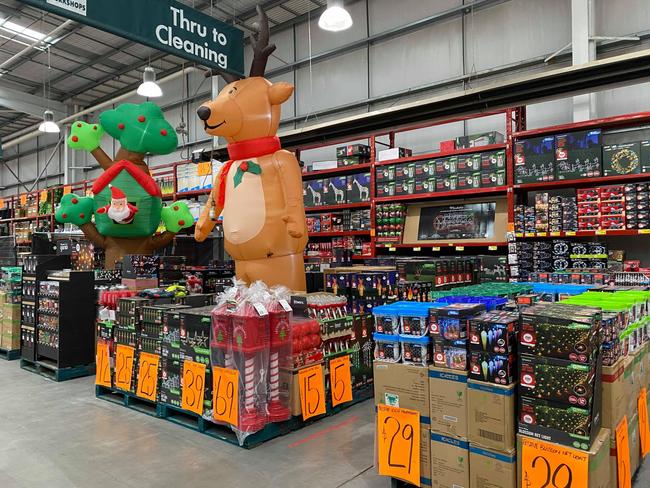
x=149, y=88
x=48, y=125
x=335, y=18
x=21, y=31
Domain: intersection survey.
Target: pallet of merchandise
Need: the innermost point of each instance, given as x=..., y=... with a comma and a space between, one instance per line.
x=9, y=354
x=127, y=399
x=49, y=371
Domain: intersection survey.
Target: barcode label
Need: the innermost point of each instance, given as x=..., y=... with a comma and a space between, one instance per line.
x=493, y=436
x=450, y=418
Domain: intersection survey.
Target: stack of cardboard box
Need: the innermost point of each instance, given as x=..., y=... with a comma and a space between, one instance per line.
x=10, y=301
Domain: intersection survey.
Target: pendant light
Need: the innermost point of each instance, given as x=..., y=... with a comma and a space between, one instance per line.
x=48, y=125
x=149, y=88
x=335, y=18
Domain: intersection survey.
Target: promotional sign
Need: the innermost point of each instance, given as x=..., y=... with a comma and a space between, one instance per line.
x=468, y=221
x=165, y=25
x=124, y=366
x=546, y=464
x=644, y=428
x=193, y=387
x=148, y=376
x=398, y=439
x=623, y=473
x=103, y=376
x=225, y=396
x=341, y=380
x=312, y=391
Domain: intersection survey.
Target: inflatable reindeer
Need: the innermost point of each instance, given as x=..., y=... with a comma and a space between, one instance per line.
x=259, y=190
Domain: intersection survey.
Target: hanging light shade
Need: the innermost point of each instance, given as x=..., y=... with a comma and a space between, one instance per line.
x=48, y=124
x=335, y=18
x=149, y=88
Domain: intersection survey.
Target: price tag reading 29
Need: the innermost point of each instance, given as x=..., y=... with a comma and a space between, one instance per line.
x=312, y=391
x=148, y=376
x=340, y=380
x=193, y=387
x=545, y=465
x=398, y=439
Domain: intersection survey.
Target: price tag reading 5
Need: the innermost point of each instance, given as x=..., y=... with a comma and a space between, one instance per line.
x=103, y=377
x=148, y=376
x=123, y=366
x=552, y=466
x=193, y=390
x=312, y=391
x=225, y=396
x=340, y=380
x=398, y=439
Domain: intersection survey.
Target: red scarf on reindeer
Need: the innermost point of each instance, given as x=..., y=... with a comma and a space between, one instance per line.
x=252, y=148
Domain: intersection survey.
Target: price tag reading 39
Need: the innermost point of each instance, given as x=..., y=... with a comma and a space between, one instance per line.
x=193, y=389
x=552, y=466
x=398, y=443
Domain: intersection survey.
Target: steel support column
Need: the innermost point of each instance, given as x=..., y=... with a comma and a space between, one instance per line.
x=584, y=51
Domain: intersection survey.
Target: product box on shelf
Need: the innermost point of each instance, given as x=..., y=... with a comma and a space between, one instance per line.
x=386, y=189
x=469, y=181
x=358, y=189
x=424, y=170
x=352, y=160
x=480, y=139
x=493, y=178
x=445, y=166
x=312, y=193
x=448, y=402
x=449, y=461
x=447, y=183
x=195, y=334
x=425, y=186
x=598, y=458
x=385, y=174
x=492, y=368
x=405, y=171
x=622, y=159
x=645, y=156
x=393, y=153
x=361, y=150
x=492, y=161
x=534, y=160
x=335, y=190
x=403, y=386
x=578, y=154
x=489, y=467
x=405, y=187
x=491, y=412
x=170, y=382
x=494, y=332
x=468, y=163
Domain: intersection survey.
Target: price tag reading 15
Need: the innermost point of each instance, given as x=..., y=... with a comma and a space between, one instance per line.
x=312, y=391
x=340, y=380
x=398, y=443
x=552, y=466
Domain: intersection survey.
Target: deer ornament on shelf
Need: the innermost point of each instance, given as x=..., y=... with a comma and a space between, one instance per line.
x=259, y=190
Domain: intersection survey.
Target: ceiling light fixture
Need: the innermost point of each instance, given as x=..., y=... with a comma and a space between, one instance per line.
x=335, y=18
x=48, y=125
x=149, y=88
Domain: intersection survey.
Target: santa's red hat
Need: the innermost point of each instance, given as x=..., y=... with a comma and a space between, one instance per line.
x=116, y=193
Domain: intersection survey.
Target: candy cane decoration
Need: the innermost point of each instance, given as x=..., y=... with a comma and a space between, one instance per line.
x=249, y=384
x=229, y=363
x=274, y=376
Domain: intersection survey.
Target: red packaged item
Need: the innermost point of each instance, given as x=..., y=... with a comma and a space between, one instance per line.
x=613, y=192
x=587, y=194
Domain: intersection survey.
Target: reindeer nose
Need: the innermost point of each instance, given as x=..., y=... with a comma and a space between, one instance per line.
x=203, y=112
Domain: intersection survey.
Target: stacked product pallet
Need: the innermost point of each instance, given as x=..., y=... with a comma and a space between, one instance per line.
x=10, y=301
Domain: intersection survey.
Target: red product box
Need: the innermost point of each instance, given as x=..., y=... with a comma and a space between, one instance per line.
x=613, y=192
x=612, y=208
x=631, y=265
x=613, y=222
x=448, y=145
x=588, y=194
x=588, y=210
x=589, y=223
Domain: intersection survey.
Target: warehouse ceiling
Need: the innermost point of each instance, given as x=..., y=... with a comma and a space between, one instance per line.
x=88, y=66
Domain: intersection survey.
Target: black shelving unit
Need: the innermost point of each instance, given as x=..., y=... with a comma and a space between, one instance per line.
x=65, y=324
x=35, y=269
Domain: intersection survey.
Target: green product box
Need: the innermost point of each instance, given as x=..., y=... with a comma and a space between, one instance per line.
x=425, y=186
x=468, y=181
x=645, y=156
x=469, y=163
x=445, y=166
x=384, y=174
x=386, y=189
x=492, y=178
x=493, y=160
x=447, y=183
x=622, y=159
x=405, y=171
x=405, y=187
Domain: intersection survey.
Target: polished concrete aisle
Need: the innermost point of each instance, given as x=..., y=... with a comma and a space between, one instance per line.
x=58, y=435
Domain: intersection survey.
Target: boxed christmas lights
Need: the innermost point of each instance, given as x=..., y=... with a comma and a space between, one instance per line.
x=534, y=160
x=480, y=139
x=358, y=150
x=492, y=368
x=358, y=187
x=578, y=154
x=385, y=174
x=494, y=332
x=405, y=171
x=622, y=159
x=492, y=161
x=334, y=190
x=393, y=153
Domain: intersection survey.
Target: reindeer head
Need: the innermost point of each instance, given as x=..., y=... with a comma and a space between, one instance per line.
x=247, y=108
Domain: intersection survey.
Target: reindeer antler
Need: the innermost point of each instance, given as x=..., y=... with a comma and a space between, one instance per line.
x=261, y=47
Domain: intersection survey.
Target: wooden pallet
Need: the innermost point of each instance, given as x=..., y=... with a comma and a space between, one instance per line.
x=51, y=372
x=127, y=399
x=9, y=354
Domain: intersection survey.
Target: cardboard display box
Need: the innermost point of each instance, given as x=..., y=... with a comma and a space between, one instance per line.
x=403, y=386
x=599, y=465
x=393, y=153
x=534, y=160
x=312, y=193
x=622, y=159
x=335, y=190
x=491, y=412
x=490, y=468
x=616, y=394
x=578, y=154
x=448, y=401
x=480, y=139
x=358, y=189
x=449, y=462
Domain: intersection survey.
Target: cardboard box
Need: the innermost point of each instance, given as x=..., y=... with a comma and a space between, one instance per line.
x=425, y=455
x=469, y=181
x=599, y=464
x=425, y=186
x=403, y=386
x=393, y=153
x=405, y=187
x=493, y=160
x=386, y=189
x=384, y=174
x=405, y=171
x=491, y=412
x=492, y=469
x=448, y=402
x=645, y=156
x=358, y=188
x=534, y=160
x=449, y=462
x=445, y=166
x=622, y=159
x=469, y=163
x=616, y=401
x=361, y=150
x=578, y=154
x=312, y=193
x=335, y=190
x=480, y=139
x=491, y=367
x=490, y=179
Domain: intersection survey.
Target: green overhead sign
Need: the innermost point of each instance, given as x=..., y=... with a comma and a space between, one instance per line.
x=165, y=25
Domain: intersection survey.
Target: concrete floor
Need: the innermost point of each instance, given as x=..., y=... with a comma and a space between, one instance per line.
x=59, y=435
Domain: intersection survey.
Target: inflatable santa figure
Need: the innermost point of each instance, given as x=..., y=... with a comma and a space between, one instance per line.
x=120, y=211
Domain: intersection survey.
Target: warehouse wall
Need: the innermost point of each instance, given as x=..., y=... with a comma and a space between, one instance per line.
x=471, y=50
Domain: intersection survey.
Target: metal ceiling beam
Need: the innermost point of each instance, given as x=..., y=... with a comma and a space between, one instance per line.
x=29, y=104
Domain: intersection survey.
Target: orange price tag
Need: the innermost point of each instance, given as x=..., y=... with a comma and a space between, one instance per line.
x=644, y=427
x=193, y=387
x=601, y=232
x=123, y=366
x=372, y=232
x=545, y=464
x=204, y=169
x=398, y=439
x=623, y=473
x=340, y=380
x=511, y=226
x=43, y=196
x=644, y=231
x=103, y=375
x=225, y=396
x=2, y=203
x=148, y=376
x=312, y=391
x=67, y=189
x=23, y=199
